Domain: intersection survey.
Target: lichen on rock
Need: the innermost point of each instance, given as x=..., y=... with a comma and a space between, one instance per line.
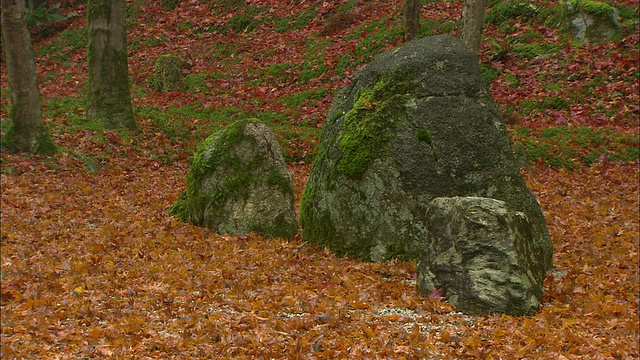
x=483, y=254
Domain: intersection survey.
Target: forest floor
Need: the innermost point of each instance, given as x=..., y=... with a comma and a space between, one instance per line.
x=93, y=266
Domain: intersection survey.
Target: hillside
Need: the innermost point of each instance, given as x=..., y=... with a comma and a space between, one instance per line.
x=93, y=267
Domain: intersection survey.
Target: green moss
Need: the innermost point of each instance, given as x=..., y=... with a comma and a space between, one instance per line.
x=506, y=10
x=45, y=144
x=596, y=8
x=309, y=192
x=533, y=50
x=304, y=97
x=309, y=197
x=373, y=36
x=280, y=229
x=365, y=135
x=180, y=208
x=397, y=249
x=560, y=15
x=67, y=43
x=313, y=67
x=628, y=19
x=368, y=125
x=430, y=27
x=170, y=4
x=572, y=147
x=168, y=73
x=242, y=23
x=205, y=161
x=423, y=135
x=276, y=179
x=282, y=71
x=297, y=21
x=15, y=141
x=337, y=116
x=489, y=73
x=317, y=226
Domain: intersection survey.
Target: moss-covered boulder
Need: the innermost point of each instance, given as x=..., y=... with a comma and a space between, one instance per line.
x=592, y=21
x=168, y=73
x=416, y=123
x=239, y=183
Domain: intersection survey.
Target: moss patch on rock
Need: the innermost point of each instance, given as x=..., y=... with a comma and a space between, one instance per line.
x=424, y=136
x=368, y=126
x=586, y=20
x=596, y=8
x=168, y=73
x=366, y=134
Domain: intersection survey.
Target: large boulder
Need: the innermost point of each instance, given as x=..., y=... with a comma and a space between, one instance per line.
x=239, y=183
x=484, y=255
x=416, y=123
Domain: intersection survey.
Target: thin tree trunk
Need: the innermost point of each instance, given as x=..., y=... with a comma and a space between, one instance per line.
x=27, y=132
x=411, y=15
x=472, y=18
x=108, y=97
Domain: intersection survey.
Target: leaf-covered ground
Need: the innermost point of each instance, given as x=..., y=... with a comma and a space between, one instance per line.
x=93, y=267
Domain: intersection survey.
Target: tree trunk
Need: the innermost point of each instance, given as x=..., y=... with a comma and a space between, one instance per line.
x=26, y=132
x=108, y=96
x=411, y=15
x=472, y=18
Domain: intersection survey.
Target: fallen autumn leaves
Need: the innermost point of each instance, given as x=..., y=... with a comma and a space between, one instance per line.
x=92, y=266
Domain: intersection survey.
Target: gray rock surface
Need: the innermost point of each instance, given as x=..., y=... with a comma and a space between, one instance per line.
x=594, y=28
x=416, y=123
x=238, y=183
x=483, y=253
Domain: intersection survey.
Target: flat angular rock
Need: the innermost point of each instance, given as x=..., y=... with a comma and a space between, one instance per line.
x=483, y=253
x=239, y=183
x=416, y=123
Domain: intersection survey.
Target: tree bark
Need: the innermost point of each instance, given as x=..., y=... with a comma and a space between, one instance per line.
x=108, y=96
x=472, y=18
x=26, y=132
x=411, y=16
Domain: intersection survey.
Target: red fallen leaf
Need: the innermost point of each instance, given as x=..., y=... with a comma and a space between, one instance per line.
x=438, y=294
